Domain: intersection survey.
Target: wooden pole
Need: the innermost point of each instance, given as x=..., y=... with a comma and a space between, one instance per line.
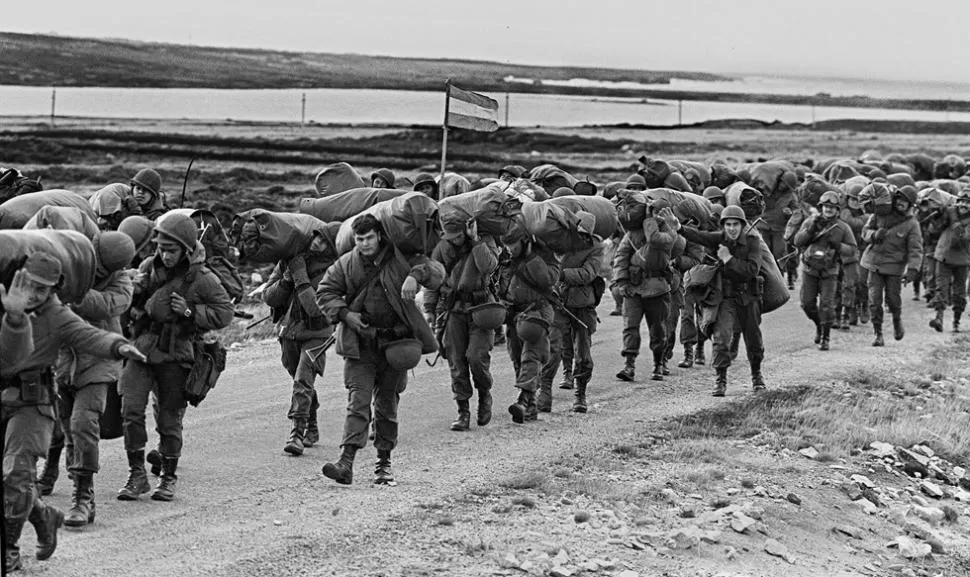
x=506, y=110
x=53, y=103
x=303, y=110
x=444, y=130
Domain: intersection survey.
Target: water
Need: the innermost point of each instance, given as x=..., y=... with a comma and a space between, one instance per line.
x=411, y=107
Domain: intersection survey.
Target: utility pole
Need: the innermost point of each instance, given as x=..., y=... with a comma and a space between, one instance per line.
x=506, y=110
x=53, y=103
x=303, y=111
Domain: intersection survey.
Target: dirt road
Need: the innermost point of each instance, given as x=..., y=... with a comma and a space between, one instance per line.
x=245, y=508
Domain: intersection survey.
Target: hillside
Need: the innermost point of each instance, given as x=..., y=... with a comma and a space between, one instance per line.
x=40, y=60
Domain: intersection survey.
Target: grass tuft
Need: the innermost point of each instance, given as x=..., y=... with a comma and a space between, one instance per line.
x=524, y=481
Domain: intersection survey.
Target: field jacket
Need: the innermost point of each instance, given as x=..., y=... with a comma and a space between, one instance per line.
x=895, y=244
x=953, y=248
x=642, y=261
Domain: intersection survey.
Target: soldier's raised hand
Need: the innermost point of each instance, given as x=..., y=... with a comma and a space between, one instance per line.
x=670, y=218
x=15, y=300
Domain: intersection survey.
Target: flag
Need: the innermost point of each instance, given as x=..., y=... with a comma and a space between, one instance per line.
x=471, y=110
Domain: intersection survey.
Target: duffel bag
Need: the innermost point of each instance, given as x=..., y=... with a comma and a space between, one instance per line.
x=602, y=209
x=64, y=218
x=347, y=204
x=410, y=222
x=553, y=225
x=337, y=178
x=15, y=212
x=74, y=250
x=267, y=237
x=490, y=207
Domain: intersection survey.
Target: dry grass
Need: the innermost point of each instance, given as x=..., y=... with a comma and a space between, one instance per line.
x=524, y=481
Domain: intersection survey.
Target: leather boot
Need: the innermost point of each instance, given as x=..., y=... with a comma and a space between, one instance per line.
x=658, y=373
x=165, y=491
x=898, y=330
x=154, y=459
x=567, y=380
x=818, y=333
x=82, y=501
x=484, y=407
x=878, y=342
x=531, y=407
x=956, y=320
x=863, y=314
x=628, y=373
x=52, y=469
x=544, y=398
x=46, y=520
x=312, y=435
x=382, y=469
x=688, y=361
x=757, y=380
x=579, y=402
x=844, y=315
x=824, y=345
x=12, y=530
x=852, y=313
x=936, y=323
x=720, y=383
x=663, y=369
x=699, y=354
x=137, y=478
x=343, y=470
x=462, y=423
x=517, y=409
x=294, y=444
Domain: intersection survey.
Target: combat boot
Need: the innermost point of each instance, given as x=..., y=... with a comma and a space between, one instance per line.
x=382, y=469
x=688, y=361
x=544, y=398
x=463, y=422
x=898, y=330
x=936, y=323
x=531, y=407
x=663, y=368
x=46, y=520
x=11, y=559
x=818, y=333
x=52, y=469
x=844, y=315
x=853, y=315
x=824, y=344
x=658, y=373
x=699, y=354
x=82, y=501
x=567, y=380
x=579, y=402
x=757, y=380
x=343, y=470
x=628, y=373
x=165, y=491
x=517, y=409
x=312, y=435
x=720, y=383
x=956, y=320
x=878, y=342
x=137, y=478
x=154, y=459
x=863, y=314
x=294, y=444
x=484, y=407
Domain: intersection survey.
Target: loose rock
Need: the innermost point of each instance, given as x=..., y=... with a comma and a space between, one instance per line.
x=809, y=453
x=862, y=481
x=773, y=547
x=741, y=522
x=793, y=498
x=881, y=450
x=931, y=489
x=910, y=548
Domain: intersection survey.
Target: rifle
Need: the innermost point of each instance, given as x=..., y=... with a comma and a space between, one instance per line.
x=314, y=353
x=440, y=323
x=259, y=322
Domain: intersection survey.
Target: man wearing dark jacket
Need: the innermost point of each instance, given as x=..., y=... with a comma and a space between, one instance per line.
x=371, y=291
x=291, y=295
x=739, y=252
x=952, y=259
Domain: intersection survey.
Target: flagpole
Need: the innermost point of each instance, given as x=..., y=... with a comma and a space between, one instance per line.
x=444, y=130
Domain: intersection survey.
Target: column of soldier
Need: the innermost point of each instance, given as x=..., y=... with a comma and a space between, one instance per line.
x=860, y=230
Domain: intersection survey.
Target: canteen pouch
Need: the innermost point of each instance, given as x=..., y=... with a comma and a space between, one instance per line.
x=209, y=362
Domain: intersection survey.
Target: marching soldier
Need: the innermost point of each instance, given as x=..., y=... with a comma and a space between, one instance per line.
x=146, y=188
x=526, y=284
x=953, y=260
x=739, y=251
x=855, y=294
x=642, y=271
x=177, y=298
x=580, y=270
x=895, y=247
x=470, y=260
x=16, y=334
x=824, y=241
x=28, y=395
x=371, y=291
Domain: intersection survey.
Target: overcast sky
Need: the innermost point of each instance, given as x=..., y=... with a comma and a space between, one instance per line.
x=887, y=39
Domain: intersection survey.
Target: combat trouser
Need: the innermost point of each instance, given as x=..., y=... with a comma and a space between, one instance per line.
x=468, y=349
x=80, y=414
x=654, y=309
x=689, y=332
x=370, y=379
x=928, y=272
x=951, y=287
x=565, y=334
x=737, y=314
x=528, y=359
x=888, y=286
x=27, y=434
x=850, y=285
x=164, y=381
x=673, y=316
x=818, y=298
x=303, y=371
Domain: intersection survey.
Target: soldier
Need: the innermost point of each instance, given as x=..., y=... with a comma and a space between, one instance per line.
x=526, y=282
x=932, y=223
x=690, y=334
x=83, y=380
x=855, y=293
x=635, y=182
x=303, y=328
x=426, y=185
x=580, y=270
x=177, y=298
x=28, y=396
x=141, y=230
x=953, y=260
x=895, y=247
x=824, y=240
x=382, y=178
x=739, y=251
x=470, y=260
x=642, y=271
x=511, y=172
x=146, y=187
x=371, y=291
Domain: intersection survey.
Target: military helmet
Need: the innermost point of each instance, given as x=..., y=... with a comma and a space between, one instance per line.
x=180, y=228
x=404, y=354
x=139, y=229
x=149, y=180
x=830, y=198
x=733, y=211
x=115, y=249
x=908, y=193
x=712, y=192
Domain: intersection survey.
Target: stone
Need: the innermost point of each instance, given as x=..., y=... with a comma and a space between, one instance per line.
x=852, y=491
x=684, y=538
x=561, y=558
x=794, y=499
x=872, y=497
x=733, y=491
x=809, y=453
x=923, y=450
x=931, y=489
x=846, y=530
x=754, y=512
x=581, y=516
x=911, y=548
x=731, y=553
x=561, y=572
x=509, y=561
x=712, y=537
x=628, y=573
x=775, y=548
x=591, y=566
x=959, y=473
x=862, y=481
x=881, y=450
x=917, y=500
x=962, y=496
x=867, y=506
x=914, y=469
x=741, y=522
x=940, y=474
x=932, y=515
x=908, y=456
x=670, y=496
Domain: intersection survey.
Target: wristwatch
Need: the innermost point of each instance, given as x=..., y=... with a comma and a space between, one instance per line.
x=188, y=312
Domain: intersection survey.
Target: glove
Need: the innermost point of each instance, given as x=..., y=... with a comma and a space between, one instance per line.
x=911, y=275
